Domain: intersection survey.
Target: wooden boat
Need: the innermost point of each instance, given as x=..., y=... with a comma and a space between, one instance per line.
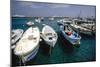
x=70, y=35
x=28, y=45
x=49, y=35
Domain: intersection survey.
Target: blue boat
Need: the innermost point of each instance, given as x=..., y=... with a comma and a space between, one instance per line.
x=70, y=35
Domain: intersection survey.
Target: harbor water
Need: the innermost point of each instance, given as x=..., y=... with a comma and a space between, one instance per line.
x=61, y=53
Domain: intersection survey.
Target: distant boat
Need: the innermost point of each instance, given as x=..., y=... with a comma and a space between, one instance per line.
x=70, y=35
x=60, y=22
x=38, y=20
x=63, y=22
x=42, y=19
x=66, y=22
x=49, y=35
x=30, y=23
x=16, y=35
x=51, y=18
x=28, y=45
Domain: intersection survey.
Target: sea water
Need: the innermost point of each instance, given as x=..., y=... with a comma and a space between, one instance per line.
x=60, y=53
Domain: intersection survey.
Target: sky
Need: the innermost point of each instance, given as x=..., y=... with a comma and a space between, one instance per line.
x=26, y=8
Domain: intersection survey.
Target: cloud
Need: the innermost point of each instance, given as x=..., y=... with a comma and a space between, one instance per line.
x=35, y=6
x=31, y=4
x=25, y=3
x=59, y=5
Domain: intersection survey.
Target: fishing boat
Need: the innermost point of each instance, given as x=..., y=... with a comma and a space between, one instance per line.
x=70, y=35
x=16, y=35
x=64, y=22
x=30, y=23
x=28, y=45
x=89, y=26
x=49, y=35
x=81, y=30
x=67, y=22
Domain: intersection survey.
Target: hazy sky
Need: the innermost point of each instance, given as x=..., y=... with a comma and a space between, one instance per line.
x=49, y=9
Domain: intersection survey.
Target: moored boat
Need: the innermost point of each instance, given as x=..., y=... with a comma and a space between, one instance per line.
x=38, y=20
x=91, y=27
x=70, y=35
x=49, y=35
x=51, y=18
x=16, y=35
x=28, y=45
x=81, y=30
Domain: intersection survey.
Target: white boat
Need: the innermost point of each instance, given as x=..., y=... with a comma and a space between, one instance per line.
x=16, y=35
x=49, y=35
x=51, y=18
x=81, y=29
x=28, y=45
x=60, y=22
x=70, y=35
x=89, y=26
x=30, y=23
x=43, y=24
x=64, y=22
x=38, y=20
x=67, y=22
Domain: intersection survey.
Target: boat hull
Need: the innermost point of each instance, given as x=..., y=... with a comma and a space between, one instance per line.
x=72, y=41
x=73, y=38
x=30, y=55
x=82, y=31
x=28, y=45
x=49, y=39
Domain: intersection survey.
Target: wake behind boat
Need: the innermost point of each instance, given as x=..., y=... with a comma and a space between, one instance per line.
x=70, y=35
x=28, y=45
x=16, y=35
x=49, y=35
